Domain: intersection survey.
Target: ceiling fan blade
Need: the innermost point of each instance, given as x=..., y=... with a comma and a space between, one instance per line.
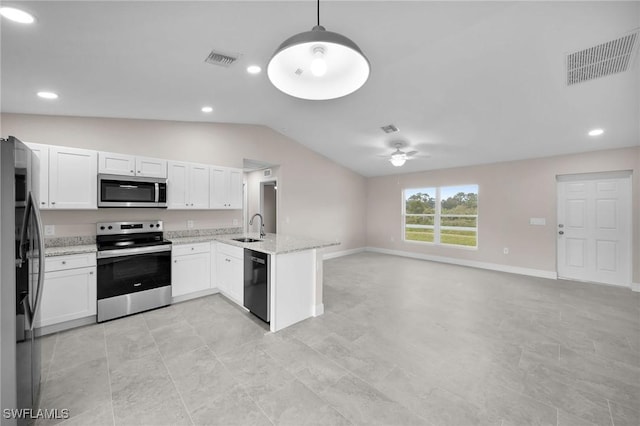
x=410, y=153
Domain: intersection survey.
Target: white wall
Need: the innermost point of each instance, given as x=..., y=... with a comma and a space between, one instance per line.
x=318, y=198
x=509, y=194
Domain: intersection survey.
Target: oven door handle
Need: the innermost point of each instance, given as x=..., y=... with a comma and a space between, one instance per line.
x=105, y=254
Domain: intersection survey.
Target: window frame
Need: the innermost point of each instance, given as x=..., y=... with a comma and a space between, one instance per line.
x=437, y=216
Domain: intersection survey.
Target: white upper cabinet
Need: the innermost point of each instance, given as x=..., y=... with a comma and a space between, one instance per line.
x=116, y=164
x=151, y=167
x=41, y=152
x=72, y=178
x=187, y=186
x=199, y=186
x=226, y=188
x=129, y=165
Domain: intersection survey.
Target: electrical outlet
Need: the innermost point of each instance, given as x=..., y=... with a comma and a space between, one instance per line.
x=235, y=222
x=189, y=224
x=49, y=230
x=505, y=250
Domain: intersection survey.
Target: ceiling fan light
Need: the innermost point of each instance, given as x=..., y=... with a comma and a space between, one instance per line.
x=296, y=69
x=398, y=160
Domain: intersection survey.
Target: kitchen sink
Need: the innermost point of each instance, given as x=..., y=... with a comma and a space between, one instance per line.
x=246, y=240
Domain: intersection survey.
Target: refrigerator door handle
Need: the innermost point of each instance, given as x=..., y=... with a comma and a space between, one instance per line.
x=28, y=313
x=22, y=252
x=36, y=215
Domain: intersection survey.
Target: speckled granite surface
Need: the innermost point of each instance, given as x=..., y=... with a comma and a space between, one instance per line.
x=271, y=244
x=69, y=241
x=63, y=246
x=66, y=250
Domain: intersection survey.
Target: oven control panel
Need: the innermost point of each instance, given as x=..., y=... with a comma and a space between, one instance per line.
x=119, y=228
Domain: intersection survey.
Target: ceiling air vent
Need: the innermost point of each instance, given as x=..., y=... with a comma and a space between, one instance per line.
x=604, y=59
x=222, y=59
x=390, y=128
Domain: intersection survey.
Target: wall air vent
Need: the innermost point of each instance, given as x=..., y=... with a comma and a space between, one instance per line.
x=608, y=58
x=222, y=59
x=390, y=128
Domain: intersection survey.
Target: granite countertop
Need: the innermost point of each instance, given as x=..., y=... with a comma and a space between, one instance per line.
x=67, y=250
x=270, y=244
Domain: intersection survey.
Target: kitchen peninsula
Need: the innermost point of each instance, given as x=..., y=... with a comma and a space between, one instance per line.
x=209, y=261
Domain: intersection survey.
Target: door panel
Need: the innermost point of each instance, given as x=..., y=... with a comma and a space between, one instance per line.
x=594, y=228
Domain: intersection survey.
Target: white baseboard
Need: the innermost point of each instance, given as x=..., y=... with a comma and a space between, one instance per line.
x=540, y=273
x=334, y=254
x=318, y=310
x=635, y=286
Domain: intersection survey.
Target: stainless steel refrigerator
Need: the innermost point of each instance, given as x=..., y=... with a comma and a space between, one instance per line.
x=21, y=274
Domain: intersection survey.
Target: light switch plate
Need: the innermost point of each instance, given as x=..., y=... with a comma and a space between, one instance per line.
x=537, y=221
x=235, y=222
x=189, y=224
x=49, y=230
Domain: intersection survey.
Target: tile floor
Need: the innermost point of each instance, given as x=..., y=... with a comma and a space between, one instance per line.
x=402, y=342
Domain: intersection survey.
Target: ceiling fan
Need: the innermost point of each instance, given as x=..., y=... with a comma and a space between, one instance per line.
x=398, y=157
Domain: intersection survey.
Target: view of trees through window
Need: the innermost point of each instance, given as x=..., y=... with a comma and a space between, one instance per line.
x=444, y=215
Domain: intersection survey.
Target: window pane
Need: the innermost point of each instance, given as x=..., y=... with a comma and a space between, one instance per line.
x=420, y=201
x=420, y=220
x=460, y=221
x=462, y=238
x=459, y=199
x=419, y=234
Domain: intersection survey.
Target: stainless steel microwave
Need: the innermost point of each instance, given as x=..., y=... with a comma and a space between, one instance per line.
x=131, y=191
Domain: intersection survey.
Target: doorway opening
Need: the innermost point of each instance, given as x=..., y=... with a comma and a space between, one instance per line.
x=269, y=205
x=594, y=227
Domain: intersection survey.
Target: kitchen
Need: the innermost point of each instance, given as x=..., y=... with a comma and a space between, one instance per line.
x=328, y=198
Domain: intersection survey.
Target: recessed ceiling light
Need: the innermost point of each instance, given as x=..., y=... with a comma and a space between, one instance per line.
x=254, y=69
x=596, y=132
x=48, y=95
x=207, y=109
x=17, y=15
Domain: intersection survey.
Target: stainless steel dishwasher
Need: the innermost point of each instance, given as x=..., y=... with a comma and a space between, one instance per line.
x=257, y=286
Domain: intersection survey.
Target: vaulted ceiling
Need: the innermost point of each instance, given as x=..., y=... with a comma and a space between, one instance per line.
x=465, y=82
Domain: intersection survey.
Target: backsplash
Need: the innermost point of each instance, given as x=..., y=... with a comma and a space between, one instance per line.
x=202, y=232
x=91, y=239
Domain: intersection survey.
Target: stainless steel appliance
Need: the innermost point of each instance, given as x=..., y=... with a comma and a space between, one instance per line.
x=134, y=268
x=257, y=282
x=131, y=191
x=22, y=275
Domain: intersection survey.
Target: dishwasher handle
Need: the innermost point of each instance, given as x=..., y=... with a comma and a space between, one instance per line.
x=257, y=260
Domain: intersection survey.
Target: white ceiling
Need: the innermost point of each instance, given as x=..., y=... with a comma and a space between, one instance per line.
x=466, y=82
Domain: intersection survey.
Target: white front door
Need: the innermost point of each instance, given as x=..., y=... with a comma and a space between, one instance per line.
x=594, y=227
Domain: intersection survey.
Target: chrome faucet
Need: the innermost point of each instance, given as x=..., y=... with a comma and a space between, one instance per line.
x=262, y=233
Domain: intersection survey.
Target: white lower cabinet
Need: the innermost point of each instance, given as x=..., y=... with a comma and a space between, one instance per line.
x=69, y=289
x=191, y=268
x=230, y=272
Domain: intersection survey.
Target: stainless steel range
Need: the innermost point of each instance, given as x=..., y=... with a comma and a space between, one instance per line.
x=134, y=268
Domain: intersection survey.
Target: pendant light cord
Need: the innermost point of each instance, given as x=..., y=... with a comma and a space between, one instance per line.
x=318, y=13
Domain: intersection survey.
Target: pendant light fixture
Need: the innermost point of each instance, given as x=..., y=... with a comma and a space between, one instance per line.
x=318, y=65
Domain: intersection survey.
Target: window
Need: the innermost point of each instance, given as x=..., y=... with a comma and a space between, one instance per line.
x=444, y=215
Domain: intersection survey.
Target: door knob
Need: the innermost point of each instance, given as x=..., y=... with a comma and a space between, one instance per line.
x=560, y=226
x=561, y=232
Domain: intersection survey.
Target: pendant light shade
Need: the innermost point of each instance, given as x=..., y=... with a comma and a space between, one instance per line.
x=318, y=65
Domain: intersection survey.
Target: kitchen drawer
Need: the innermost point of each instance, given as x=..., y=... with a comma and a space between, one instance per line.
x=230, y=250
x=72, y=261
x=184, y=249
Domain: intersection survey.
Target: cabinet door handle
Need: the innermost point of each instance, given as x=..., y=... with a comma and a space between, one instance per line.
x=175, y=261
x=64, y=262
x=131, y=171
x=43, y=203
x=192, y=248
x=53, y=202
x=138, y=171
x=91, y=273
